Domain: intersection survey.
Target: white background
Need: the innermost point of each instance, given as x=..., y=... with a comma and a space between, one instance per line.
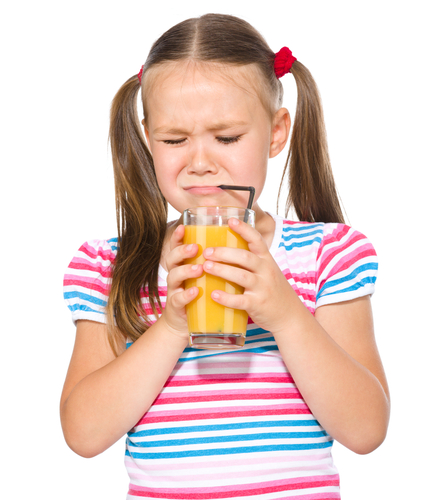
x=62, y=63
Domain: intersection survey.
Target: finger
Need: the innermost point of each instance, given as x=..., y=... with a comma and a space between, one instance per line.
x=237, y=256
x=239, y=276
x=177, y=237
x=183, y=298
x=179, y=254
x=179, y=274
x=234, y=301
x=256, y=242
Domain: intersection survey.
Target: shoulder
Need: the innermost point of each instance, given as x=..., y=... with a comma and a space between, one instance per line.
x=344, y=245
x=347, y=265
x=303, y=235
x=87, y=280
x=94, y=250
x=339, y=260
x=328, y=238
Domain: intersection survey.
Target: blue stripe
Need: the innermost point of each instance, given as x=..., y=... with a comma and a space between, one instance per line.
x=230, y=451
x=82, y=307
x=305, y=227
x=84, y=296
x=225, y=351
x=305, y=235
x=224, y=427
x=300, y=244
x=264, y=339
x=227, y=439
x=255, y=331
x=356, y=286
x=113, y=242
x=371, y=266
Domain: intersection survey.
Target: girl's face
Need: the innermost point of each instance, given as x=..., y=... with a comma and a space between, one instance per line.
x=205, y=130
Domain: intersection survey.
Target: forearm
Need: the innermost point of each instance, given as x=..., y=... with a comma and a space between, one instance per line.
x=109, y=402
x=346, y=397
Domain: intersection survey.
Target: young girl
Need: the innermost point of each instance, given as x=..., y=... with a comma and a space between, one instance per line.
x=258, y=421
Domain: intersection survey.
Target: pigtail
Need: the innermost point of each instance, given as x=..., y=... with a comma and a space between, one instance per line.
x=312, y=191
x=141, y=220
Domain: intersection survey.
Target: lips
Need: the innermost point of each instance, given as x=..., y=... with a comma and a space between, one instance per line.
x=203, y=190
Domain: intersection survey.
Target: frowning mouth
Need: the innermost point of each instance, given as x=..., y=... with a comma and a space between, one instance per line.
x=203, y=190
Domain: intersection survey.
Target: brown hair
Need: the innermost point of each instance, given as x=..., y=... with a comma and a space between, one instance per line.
x=141, y=208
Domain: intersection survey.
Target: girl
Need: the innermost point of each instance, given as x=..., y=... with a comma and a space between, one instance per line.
x=258, y=421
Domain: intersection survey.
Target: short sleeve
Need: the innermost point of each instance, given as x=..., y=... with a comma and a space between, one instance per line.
x=88, y=280
x=347, y=265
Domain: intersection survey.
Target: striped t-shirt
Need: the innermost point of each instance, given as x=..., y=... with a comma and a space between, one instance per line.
x=232, y=424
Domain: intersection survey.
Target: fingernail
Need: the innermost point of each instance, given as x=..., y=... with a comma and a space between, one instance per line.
x=189, y=247
x=209, y=251
x=207, y=265
x=215, y=295
x=234, y=222
x=195, y=267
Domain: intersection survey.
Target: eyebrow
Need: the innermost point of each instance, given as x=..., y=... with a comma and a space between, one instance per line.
x=214, y=128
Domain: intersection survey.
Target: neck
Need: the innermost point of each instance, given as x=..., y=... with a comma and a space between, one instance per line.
x=264, y=224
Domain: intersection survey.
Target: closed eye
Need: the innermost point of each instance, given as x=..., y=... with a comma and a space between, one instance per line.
x=229, y=139
x=173, y=141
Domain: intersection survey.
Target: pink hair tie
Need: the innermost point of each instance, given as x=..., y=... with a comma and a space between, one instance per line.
x=140, y=74
x=284, y=60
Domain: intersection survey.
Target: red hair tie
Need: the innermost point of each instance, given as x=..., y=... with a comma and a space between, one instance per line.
x=284, y=60
x=140, y=74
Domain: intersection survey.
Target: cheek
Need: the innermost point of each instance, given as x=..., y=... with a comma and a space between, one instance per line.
x=252, y=161
x=167, y=161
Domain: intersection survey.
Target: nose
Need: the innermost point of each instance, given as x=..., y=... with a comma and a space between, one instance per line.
x=201, y=161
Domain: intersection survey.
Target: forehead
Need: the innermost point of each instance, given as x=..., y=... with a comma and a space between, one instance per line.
x=190, y=82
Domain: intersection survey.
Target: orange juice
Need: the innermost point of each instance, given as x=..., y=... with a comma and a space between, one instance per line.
x=204, y=315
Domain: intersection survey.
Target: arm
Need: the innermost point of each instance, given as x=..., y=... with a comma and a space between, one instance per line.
x=332, y=356
x=104, y=396
x=335, y=363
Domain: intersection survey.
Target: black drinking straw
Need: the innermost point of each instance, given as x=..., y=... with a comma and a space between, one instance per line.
x=242, y=188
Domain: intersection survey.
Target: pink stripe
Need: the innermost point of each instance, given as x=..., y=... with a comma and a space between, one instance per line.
x=89, y=250
x=334, y=238
x=175, y=381
x=303, y=292
x=162, y=292
x=223, y=397
x=237, y=490
x=194, y=411
x=338, y=248
x=97, y=285
x=86, y=279
x=307, y=279
x=220, y=413
x=229, y=392
x=103, y=270
x=80, y=260
x=311, y=496
x=175, y=398
x=347, y=261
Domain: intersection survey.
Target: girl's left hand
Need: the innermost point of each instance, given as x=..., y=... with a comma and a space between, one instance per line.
x=268, y=295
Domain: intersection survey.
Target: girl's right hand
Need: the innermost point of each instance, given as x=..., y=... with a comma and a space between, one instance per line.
x=178, y=297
